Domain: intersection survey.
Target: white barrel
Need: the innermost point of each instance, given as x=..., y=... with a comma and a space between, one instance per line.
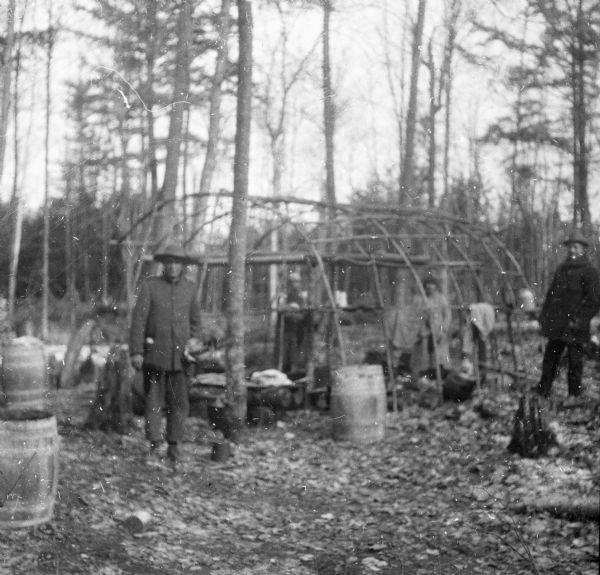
x=358, y=403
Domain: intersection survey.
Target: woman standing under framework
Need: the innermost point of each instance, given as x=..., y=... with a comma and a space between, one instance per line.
x=292, y=322
x=431, y=348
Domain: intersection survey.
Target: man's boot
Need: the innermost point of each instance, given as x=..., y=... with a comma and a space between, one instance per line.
x=173, y=453
x=153, y=456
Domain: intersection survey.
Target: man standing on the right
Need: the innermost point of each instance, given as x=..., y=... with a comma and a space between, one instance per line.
x=571, y=302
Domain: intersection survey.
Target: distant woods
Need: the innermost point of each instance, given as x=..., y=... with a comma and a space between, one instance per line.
x=142, y=132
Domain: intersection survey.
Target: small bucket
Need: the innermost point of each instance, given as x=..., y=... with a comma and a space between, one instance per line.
x=221, y=451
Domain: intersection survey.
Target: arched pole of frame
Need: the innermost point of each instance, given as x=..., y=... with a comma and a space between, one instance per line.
x=386, y=335
x=315, y=253
x=402, y=253
x=442, y=258
x=465, y=256
x=504, y=277
x=517, y=266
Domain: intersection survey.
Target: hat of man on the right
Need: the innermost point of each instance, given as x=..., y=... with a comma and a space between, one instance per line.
x=576, y=237
x=172, y=252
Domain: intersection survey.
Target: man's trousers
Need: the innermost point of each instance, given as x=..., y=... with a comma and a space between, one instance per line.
x=168, y=389
x=552, y=355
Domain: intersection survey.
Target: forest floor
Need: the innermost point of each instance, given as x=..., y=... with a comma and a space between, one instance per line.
x=436, y=496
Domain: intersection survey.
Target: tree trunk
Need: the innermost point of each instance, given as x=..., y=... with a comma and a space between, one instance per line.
x=214, y=126
x=46, y=240
x=106, y=227
x=328, y=113
x=5, y=79
x=16, y=207
x=397, y=95
x=166, y=217
x=150, y=59
x=562, y=506
x=581, y=211
x=234, y=353
x=407, y=181
x=433, y=110
x=446, y=88
x=330, y=193
x=69, y=255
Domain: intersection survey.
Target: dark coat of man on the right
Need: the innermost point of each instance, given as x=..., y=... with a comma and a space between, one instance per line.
x=570, y=304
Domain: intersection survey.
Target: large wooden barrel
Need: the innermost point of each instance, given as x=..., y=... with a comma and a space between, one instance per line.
x=23, y=378
x=28, y=470
x=358, y=403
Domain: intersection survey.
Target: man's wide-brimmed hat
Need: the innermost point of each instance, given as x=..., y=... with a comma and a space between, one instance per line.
x=576, y=237
x=173, y=252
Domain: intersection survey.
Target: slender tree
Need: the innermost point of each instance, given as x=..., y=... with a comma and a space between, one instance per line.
x=6, y=63
x=214, y=123
x=150, y=52
x=16, y=201
x=236, y=390
x=396, y=82
x=407, y=178
x=46, y=240
x=328, y=113
x=167, y=218
x=437, y=90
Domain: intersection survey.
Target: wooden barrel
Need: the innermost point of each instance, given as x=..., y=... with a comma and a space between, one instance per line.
x=358, y=403
x=28, y=470
x=24, y=382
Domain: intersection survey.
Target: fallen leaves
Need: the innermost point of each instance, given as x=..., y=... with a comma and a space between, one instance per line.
x=434, y=496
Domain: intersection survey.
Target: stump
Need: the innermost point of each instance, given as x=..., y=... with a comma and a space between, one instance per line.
x=531, y=436
x=83, y=336
x=112, y=408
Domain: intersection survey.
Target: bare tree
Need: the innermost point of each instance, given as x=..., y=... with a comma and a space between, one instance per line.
x=438, y=88
x=214, y=125
x=16, y=201
x=396, y=92
x=328, y=112
x=236, y=390
x=6, y=63
x=166, y=217
x=46, y=241
x=407, y=178
x=151, y=23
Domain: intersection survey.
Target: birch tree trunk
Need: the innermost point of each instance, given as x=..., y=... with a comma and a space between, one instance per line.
x=234, y=352
x=46, y=236
x=16, y=204
x=5, y=79
x=328, y=113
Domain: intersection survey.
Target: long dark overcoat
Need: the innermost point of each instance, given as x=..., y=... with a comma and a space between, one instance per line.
x=165, y=316
x=571, y=301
